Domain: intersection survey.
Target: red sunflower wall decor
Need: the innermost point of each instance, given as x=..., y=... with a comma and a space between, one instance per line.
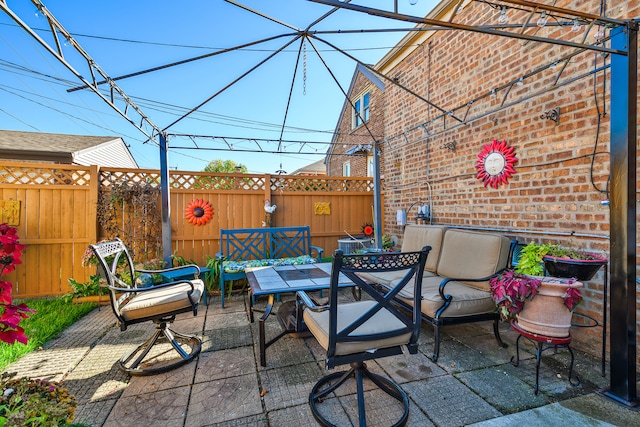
x=368, y=230
x=198, y=212
x=495, y=163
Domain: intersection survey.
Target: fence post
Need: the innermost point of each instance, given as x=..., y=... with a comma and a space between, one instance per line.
x=267, y=196
x=94, y=191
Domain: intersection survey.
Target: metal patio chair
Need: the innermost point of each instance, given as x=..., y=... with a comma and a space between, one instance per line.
x=353, y=332
x=159, y=304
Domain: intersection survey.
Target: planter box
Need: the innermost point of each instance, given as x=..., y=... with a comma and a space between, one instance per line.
x=100, y=300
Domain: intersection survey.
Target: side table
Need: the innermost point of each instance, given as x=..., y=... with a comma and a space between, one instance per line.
x=543, y=343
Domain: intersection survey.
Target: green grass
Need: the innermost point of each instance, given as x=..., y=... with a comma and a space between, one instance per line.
x=52, y=316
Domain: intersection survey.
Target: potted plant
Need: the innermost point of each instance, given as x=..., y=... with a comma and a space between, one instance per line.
x=559, y=261
x=510, y=290
x=542, y=305
x=550, y=312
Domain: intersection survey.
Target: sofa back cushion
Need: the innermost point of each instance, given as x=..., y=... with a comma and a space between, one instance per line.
x=417, y=236
x=472, y=255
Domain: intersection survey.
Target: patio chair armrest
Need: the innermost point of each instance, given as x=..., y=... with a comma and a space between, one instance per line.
x=310, y=303
x=464, y=279
x=319, y=250
x=447, y=298
x=152, y=288
x=166, y=270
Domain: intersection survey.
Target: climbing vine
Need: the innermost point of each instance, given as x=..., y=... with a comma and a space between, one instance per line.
x=131, y=211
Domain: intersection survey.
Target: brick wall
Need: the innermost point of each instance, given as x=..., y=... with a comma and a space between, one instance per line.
x=562, y=170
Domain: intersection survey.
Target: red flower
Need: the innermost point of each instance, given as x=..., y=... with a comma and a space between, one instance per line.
x=5, y=292
x=198, y=212
x=368, y=230
x=10, y=315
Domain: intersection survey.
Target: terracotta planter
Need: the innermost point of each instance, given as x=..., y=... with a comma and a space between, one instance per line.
x=546, y=313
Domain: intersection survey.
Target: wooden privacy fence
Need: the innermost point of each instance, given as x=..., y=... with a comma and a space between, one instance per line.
x=59, y=207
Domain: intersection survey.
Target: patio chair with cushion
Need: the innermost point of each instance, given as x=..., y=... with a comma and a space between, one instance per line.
x=132, y=303
x=353, y=332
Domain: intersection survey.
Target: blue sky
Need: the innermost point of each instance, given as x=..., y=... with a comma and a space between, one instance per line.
x=125, y=36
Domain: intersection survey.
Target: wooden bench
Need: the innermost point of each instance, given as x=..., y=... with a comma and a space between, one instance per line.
x=455, y=284
x=253, y=247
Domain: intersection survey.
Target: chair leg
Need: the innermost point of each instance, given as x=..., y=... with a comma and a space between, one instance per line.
x=330, y=383
x=131, y=361
x=577, y=383
x=436, y=343
x=516, y=362
x=496, y=333
x=222, y=290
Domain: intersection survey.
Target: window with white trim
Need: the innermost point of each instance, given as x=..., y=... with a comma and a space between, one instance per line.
x=370, y=165
x=346, y=169
x=360, y=110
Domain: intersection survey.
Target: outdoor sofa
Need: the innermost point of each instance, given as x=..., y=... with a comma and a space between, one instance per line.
x=455, y=285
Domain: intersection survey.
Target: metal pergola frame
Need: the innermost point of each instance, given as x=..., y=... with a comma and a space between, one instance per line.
x=624, y=69
x=623, y=127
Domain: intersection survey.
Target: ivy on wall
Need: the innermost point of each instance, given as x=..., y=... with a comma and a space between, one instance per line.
x=131, y=211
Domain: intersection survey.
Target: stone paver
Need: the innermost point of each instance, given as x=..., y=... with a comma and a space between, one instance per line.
x=283, y=387
x=448, y=402
x=160, y=408
x=223, y=400
x=473, y=382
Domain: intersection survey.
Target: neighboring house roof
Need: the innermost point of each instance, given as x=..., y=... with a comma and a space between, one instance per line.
x=317, y=168
x=60, y=148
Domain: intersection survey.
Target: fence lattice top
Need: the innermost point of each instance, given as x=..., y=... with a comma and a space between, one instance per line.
x=43, y=175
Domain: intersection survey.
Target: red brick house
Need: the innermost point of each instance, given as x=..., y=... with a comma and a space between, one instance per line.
x=547, y=104
x=350, y=150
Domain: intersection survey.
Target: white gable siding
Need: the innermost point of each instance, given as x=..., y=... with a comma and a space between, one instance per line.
x=111, y=154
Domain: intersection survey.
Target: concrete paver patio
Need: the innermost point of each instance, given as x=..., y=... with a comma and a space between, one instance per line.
x=473, y=382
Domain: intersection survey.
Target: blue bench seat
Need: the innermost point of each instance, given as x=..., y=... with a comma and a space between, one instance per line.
x=269, y=246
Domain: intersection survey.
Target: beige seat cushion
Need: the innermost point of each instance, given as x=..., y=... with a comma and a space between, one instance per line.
x=466, y=299
x=389, y=277
x=417, y=236
x=161, y=301
x=383, y=321
x=472, y=255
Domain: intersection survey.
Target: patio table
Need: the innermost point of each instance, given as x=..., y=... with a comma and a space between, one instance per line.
x=284, y=279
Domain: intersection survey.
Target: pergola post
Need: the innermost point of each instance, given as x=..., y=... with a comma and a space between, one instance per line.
x=623, y=119
x=377, y=196
x=166, y=207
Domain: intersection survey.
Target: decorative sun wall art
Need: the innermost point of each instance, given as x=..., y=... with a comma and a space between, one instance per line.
x=198, y=212
x=495, y=163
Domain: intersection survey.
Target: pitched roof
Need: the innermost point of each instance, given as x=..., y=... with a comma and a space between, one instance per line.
x=62, y=148
x=316, y=168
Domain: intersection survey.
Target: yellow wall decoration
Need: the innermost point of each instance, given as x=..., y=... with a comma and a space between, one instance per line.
x=10, y=212
x=322, y=208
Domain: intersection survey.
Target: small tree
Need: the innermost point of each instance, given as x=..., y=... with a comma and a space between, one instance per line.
x=225, y=166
